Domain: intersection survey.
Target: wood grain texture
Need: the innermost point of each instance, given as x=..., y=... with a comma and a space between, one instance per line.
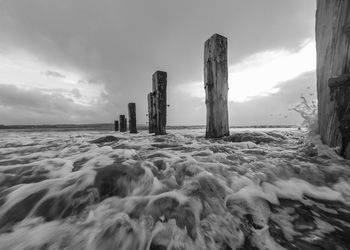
x=333, y=61
x=216, y=86
x=159, y=82
x=340, y=96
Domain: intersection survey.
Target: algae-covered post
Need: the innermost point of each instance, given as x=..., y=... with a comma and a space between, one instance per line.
x=150, y=113
x=159, y=83
x=216, y=86
x=116, y=126
x=333, y=68
x=122, y=123
x=132, y=117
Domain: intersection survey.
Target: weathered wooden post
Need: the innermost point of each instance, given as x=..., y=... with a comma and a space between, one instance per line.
x=154, y=113
x=159, y=83
x=216, y=86
x=122, y=123
x=116, y=126
x=339, y=94
x=150, y=113
x=333, y=69
x=132, y=117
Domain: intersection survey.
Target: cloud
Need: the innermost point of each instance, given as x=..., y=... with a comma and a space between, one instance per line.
x=26, y=72
x=119, y=44
x=260, y=73
x=275, y=108
x=185, y=109
x=76, y=93
x=26, y=106
x=53, y=74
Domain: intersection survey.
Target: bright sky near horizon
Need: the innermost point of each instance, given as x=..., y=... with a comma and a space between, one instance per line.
x=82, y=62
x=261, y=73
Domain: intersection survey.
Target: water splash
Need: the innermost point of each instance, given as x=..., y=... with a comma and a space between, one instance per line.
x=308, y=111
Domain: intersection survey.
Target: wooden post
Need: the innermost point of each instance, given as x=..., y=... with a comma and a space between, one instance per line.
x=150, y=113
x=216, y=86
x=132, y=117
x=339, y=94
x=122, y=122
x=154, y=113
x=116, y=126
x=333, y=69
x=159, y=82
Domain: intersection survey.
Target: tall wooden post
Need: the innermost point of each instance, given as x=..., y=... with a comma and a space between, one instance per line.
x=116, y=125
x=122, y=123
x=159, y=83
x=333, y=69
x=150, y=113
x=216, y=86
x=132, y=117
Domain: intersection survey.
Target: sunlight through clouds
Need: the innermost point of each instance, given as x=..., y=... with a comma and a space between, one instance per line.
x=260, y=73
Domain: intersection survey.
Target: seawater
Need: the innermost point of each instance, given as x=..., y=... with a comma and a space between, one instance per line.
x=257, y=189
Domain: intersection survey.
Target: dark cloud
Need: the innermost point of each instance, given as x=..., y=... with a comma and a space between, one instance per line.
x=51, y=73
x=121, y=43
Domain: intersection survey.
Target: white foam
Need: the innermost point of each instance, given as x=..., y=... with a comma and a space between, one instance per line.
x=251, y=176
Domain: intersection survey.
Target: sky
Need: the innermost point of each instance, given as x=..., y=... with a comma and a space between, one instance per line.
x=83, y=61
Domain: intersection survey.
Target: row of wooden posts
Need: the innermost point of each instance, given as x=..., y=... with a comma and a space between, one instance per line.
x=121, y=125
x=216, y=90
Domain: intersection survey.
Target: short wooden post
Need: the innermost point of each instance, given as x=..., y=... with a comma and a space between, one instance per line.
x=216, y=86
x=159, y=82
x=116, y=125
x=150, y=113
x=122, y=123
x=132, y=117
x=154, y=113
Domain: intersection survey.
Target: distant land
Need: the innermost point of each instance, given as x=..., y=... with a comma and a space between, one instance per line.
x=110, y=126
